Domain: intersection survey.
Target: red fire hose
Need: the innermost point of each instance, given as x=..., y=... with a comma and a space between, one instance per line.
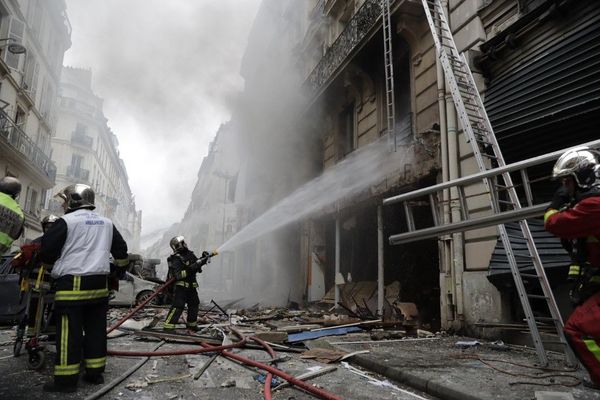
x=269, y=350
x=323, y=394
x=141, y=305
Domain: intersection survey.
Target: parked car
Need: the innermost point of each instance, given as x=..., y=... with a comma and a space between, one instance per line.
x=134, y=290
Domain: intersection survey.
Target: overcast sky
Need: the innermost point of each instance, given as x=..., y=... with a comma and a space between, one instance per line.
x=168, y=72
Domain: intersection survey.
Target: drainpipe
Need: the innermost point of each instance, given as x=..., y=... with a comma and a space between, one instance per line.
x=445, y=242
x=380, y=281
x=337, y=261
x=454, y=173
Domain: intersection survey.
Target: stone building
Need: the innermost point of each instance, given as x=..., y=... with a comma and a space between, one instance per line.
x=85, y=150
x=535, y=63
x=315, y=96
x=34, y=36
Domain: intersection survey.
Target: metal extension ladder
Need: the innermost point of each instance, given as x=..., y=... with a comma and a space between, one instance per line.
x=389, y=73
x=478, y=132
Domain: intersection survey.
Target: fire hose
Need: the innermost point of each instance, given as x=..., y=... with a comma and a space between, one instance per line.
x=159, y=290
x=206, y=348
x=141, y=305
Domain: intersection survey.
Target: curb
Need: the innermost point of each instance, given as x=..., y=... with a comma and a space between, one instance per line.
x=428, y=386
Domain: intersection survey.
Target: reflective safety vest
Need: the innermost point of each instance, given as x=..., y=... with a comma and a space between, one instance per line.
x=11, y=222
x=87, y=247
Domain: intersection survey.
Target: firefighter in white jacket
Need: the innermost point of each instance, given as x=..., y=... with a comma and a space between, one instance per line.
x=79, y=245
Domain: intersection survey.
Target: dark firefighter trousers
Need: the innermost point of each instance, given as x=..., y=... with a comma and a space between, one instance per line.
x=182, y=295
x=583, y=332
x=81, y=305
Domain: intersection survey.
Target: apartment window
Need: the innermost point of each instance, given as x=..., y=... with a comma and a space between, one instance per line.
x=76, y=161
x=20, y=117
x=31, y=201
x=347, y=130
x=80, y=129
x=16, y=29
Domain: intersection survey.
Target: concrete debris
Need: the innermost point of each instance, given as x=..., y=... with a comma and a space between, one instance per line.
x=424, y=334
x=167, y=379
x=137, y=384
x=325, y=356
x=464, y=344
x=229, y=383
x=381, y=334
x=273, y=336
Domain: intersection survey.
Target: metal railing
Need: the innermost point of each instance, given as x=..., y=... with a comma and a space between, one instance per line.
x=21, y=143
x=433, y=196
x=357, y=29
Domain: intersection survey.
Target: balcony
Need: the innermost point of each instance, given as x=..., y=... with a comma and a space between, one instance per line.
x=22, y=144
x=357, y=29
x=78, y=173
x=82, y=139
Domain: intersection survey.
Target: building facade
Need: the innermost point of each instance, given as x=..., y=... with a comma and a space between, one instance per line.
x=34, y=36
x=536, y=65
x=85, y=150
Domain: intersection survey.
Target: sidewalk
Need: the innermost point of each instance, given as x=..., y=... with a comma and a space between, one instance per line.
x=439, y=368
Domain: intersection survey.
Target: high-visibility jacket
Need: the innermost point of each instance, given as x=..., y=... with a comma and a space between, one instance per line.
x=79, y=245
x=580, y=221
x=11, y=221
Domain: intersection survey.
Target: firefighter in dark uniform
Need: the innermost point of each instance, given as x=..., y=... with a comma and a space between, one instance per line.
x=79, y=245
x=574, y=216
x=184, y=265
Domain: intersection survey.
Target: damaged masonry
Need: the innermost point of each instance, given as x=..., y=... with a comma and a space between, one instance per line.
x=373, y=207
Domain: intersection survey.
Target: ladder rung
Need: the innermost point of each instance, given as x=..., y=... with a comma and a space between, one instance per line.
x=528, y=275
x=537, y=296
x=555, y=342
x=504, y=201
x=544, y=319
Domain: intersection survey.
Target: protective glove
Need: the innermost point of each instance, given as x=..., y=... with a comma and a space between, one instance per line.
x=561, y=198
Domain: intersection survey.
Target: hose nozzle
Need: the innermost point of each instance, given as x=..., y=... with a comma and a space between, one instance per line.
x=214, y=253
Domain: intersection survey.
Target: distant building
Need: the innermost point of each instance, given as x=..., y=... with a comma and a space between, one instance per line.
x=85, y=150
x=34, y=36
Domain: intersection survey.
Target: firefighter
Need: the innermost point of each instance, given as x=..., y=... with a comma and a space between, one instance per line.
x=183, y=265
x=574, y=216
x=79, y=245
x=11, y=215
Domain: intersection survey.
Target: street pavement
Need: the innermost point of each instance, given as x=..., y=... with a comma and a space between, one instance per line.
x=439, y=367
x=224, y=379
x=485, y=371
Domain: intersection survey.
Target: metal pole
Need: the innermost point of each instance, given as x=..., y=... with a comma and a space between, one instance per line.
x=337, y=260
x=380, y=281
x=223, y=231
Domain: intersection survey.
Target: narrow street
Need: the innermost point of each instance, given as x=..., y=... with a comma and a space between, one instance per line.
x=172, y=377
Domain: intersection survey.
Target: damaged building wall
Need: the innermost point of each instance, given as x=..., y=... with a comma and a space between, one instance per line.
x=347, y=86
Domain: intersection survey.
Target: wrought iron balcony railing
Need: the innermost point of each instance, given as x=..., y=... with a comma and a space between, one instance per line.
x=353, y=34
x=22, y=144
x=78, y=173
